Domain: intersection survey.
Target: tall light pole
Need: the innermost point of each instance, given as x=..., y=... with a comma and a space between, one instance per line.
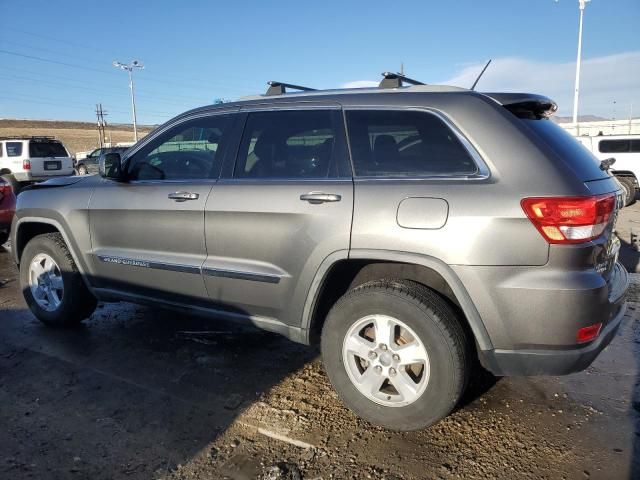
x=129, y=68
x=576, y=93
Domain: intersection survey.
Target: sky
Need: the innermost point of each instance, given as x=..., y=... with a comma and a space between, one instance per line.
x=57, y=57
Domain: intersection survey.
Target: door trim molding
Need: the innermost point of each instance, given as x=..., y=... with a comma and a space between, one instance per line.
x=176, y=267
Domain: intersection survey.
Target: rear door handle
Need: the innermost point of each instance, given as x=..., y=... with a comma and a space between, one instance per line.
x=183, y=196
x=320, y=197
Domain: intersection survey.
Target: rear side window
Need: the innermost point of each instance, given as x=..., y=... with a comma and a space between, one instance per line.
x=572, y=152
x=635, y=146
x=14, y=149
x=46, y=149
x=405, y=144
x=614, y=146
x=287, y=145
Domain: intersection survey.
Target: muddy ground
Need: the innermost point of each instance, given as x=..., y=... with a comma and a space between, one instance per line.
x=140, y=393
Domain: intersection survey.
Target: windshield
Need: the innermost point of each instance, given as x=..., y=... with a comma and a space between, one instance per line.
x=574, y=154
x=47, y=149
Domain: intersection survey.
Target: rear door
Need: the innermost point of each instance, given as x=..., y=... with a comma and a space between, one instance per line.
x=278, y=211
x=147, y=233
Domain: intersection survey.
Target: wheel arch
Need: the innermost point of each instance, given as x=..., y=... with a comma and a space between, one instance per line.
x=624, y=173
x=5, y=171
x=336, y=276
x=27, y=228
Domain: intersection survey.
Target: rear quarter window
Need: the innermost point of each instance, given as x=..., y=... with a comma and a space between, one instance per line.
x=614, y=146
x=14, y=149
x=572, y=152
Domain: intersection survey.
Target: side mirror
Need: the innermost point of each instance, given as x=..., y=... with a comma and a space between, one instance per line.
x=110, y=166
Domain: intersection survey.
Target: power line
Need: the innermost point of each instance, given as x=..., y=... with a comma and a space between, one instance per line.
x=102, y=92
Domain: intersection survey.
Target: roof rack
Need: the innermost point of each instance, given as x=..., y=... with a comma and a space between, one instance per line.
x=395, y=80
x=278, y=88
x=28, y=137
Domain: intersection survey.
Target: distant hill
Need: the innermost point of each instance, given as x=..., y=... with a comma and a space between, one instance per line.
x=19, y=123
x=76, y=136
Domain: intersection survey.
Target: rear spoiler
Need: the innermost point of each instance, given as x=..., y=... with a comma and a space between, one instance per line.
x=525, y=105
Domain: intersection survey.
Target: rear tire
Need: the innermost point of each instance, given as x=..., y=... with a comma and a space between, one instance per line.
x=418, y=317
x=629, y=190
x=51, y=283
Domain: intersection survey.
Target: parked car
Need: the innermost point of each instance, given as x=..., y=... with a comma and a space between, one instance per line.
x=24, y=160
x=90, y=163
x=625, y=149
x=7, y=209
x=412, y=231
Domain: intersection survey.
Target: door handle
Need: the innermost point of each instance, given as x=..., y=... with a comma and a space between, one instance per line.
x=320, y=197
x=183, y=196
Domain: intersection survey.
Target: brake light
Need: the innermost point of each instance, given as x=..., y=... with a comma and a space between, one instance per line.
x=570, y=219
x=26, y=165
x=586, y=334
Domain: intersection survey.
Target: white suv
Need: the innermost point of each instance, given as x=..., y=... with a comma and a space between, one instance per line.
x=626, y=150
x=32, y=159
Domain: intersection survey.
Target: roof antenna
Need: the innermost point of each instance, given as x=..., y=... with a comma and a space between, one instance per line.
x=473, y=87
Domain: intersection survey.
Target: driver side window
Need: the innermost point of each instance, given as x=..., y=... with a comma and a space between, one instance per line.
x=191, y=150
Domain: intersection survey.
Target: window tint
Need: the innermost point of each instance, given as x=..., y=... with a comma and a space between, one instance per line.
x=14, y=149
x=635, y=146
x=192, y=150
x=287, y=144
x=46, y=149
x=572, y=152
x=405, y=144
x=614, y=146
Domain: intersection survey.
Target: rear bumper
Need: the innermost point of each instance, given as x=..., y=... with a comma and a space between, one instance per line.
x=550, y=362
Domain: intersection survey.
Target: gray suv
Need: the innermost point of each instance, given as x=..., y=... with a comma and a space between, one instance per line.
x=413, y=231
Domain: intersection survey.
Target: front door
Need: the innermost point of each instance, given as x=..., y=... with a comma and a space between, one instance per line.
x=147, y=233
x=278, y=212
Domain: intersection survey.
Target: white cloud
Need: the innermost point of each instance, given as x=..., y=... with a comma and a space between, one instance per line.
x=603, y=80
x=360, y=84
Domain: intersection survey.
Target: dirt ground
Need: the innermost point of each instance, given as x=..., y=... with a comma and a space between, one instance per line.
x=143, y=393
x=76, y=136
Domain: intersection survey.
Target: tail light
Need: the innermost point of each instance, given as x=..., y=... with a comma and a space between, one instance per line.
x=586, y=334
x=26, y=165
x=570, y=219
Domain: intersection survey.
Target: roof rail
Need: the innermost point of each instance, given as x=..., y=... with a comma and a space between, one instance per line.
x=395, y=80
x=28, y=137
x=278, y=88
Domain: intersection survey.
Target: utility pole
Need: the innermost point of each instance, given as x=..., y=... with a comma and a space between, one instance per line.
x=582, y=4
x=102, y=124
x=129, y=68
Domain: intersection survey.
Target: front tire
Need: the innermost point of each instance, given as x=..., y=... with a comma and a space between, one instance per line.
x=51, y=283
x=82, y=170
x=396, y=353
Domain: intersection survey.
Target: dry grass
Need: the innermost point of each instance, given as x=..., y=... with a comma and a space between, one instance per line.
x=76, y=136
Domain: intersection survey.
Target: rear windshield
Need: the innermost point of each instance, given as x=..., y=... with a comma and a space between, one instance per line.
x=46, y=149
x=575, y=155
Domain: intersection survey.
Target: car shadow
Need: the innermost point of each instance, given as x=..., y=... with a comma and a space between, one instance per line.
x=133, y=391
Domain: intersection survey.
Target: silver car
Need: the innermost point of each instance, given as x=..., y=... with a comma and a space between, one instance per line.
x=414, y=231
